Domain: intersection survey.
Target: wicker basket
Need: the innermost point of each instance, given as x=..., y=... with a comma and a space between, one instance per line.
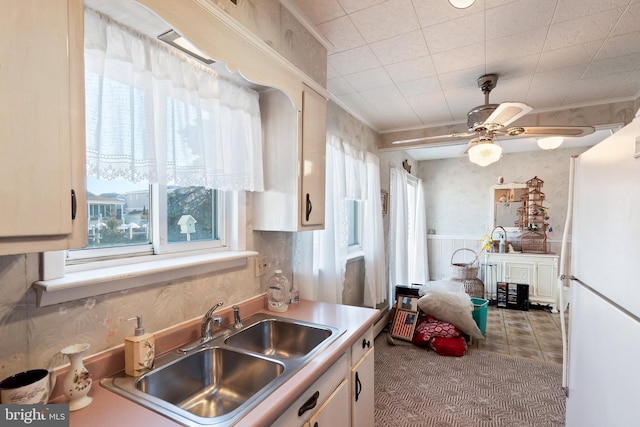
x=462, y=271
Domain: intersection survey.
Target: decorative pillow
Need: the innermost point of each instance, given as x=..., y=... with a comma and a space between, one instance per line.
x=451, y=307
x=449, y=346
x=429, y=327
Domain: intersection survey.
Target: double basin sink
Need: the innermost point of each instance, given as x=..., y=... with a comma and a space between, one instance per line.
x=219, y=382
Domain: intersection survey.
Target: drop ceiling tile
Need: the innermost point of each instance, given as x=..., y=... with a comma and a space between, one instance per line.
x=339, y=86
x=517, y=17
x=617, y=65
x=572, y=9
x=400, y=48
x=382, y=94
x=432, y=110
x=628, y=87
x=353, y=60
x=455, y=33
x=595, y=88
x=516, y=45
x=385, y=20
x=567, y=56
x=466, y=79
x=351, y=6
x=436, y=12
x=628, y=22
x=581, y=30
x=320, y=11
x=369, y=79
x=621, y=45
x=548, y=96
x=423, y=86
x=331, y=72
x=412, y=69
x=558, y=76
x=341, y=34
x=459, y=59
x=515, y=66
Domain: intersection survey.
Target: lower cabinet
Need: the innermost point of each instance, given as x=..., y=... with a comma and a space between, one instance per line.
x=362, y=403
x=342, y=396
x=334, y=411
x=314, y=398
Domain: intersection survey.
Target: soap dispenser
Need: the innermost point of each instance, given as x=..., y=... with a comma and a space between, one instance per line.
x=502, y=245
x=139, y=351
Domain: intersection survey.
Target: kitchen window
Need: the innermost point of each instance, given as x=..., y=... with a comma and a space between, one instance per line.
x=171, y=149
x=355, y=214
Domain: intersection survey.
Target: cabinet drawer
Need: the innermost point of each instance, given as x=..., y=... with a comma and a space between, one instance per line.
x=324, y=386
x=361, y=346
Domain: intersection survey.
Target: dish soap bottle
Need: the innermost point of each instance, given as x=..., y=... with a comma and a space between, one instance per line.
x=139, y=351
x=502, y=246
x=278, y=296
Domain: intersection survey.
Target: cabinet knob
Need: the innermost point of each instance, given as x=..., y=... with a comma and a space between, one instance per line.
x=365, y=343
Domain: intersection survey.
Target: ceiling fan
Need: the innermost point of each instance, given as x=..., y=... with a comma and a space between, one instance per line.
x=486, y=122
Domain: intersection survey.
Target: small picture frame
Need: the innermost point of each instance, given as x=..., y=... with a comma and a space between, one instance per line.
x=384, y=197
x=404, y=324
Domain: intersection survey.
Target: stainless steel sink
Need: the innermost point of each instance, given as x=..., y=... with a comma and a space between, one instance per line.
x=280, y=338
x=219, y=382
x=212, y=381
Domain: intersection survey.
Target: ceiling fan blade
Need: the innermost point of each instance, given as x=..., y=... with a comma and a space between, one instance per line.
x=505, y=114
x=542, y=131
x=434, y=140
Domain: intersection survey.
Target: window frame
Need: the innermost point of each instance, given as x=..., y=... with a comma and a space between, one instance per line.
x=356, y=248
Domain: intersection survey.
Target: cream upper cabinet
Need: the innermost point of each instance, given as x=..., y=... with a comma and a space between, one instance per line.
x=314, y=125
x=42, y=126
x=294, y=149
x=539, y=271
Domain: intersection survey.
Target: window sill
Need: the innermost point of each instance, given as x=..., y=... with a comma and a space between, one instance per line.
x=88, y=283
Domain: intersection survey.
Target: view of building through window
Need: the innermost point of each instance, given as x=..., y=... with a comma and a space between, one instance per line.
x=120, y=213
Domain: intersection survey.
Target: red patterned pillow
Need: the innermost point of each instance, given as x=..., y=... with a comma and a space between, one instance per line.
x=428, y=327
x=449, y=346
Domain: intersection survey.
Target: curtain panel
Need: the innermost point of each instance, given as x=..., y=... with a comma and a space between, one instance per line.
x=320, y=257
x=154, y=113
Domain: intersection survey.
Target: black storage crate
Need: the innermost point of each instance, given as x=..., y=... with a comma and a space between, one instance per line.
x=514, y=296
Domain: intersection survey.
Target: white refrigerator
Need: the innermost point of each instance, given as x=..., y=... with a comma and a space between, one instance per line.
x=603, y=370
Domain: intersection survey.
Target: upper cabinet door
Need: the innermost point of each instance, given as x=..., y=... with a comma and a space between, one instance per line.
x=314, y=125
x=41, y=82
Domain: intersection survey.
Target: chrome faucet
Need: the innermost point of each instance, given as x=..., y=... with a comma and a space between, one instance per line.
x=237, y=324
x=208, y=320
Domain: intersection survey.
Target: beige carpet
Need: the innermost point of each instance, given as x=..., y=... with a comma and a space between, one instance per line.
x=418, y=387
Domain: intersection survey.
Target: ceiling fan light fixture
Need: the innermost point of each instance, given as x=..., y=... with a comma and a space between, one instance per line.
x=485, y=153
x=461, y=4
x=550, y=143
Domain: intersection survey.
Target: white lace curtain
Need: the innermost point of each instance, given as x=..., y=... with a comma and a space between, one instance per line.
x=320, y=257
x=155, y=114
x=408, y=262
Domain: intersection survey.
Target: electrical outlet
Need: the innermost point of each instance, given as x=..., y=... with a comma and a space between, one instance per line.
x=262, y=264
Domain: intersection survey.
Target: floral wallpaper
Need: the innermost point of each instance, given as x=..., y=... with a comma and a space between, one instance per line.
x=459, y=204
x=31, y=337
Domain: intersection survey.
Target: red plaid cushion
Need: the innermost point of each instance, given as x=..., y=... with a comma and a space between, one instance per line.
x=428, y=327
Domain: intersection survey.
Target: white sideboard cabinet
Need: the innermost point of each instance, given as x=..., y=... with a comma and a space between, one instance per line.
x=42, y=159
x=539, y=271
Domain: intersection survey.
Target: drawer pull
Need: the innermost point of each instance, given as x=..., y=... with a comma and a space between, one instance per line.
x=365, y=343
x=309, y=404
x=358, y=386
x=309, y=208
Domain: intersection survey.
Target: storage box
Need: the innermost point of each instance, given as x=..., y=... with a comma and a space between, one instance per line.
x=513, y=295
x=480, y=308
